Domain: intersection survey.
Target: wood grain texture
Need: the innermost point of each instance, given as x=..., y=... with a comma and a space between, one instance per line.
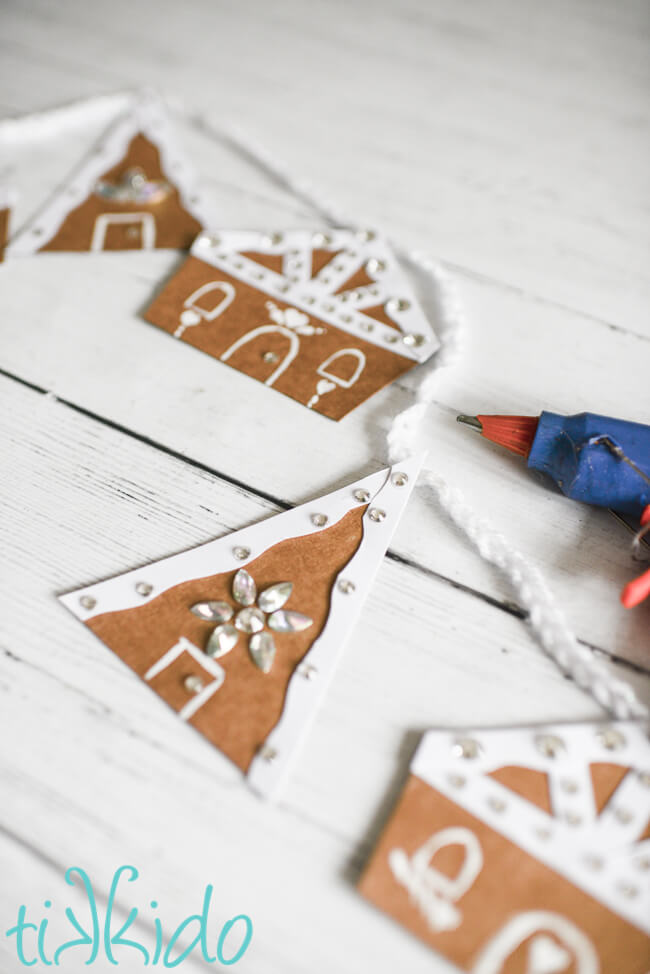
x=511, y=140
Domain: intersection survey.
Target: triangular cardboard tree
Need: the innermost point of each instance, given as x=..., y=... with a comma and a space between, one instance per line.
x=241, y=635
x=135, y=190
x=326, y=317
x=524, y=849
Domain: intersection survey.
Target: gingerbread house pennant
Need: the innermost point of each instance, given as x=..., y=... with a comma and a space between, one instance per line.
x=524, y=851
x=241, y=635
x=135, y=190
x=327, y=317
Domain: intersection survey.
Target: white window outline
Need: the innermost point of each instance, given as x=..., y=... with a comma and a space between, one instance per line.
x=294, y=348
x=209, y=665
x=104, y=220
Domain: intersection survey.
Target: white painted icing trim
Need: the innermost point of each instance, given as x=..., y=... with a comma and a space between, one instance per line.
x=597, y=854
x=145, y=113
x=216, y=556
x=309, y=683
x=315, y=296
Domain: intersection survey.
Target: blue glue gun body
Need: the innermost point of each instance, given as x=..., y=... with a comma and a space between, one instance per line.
x=583, y=456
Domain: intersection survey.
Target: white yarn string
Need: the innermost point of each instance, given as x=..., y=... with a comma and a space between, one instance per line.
x=545, y=619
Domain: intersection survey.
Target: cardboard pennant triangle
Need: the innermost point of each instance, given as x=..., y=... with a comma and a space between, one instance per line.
x=524, y=849
x=241, y=635
x=135, y=190
x=327, y=318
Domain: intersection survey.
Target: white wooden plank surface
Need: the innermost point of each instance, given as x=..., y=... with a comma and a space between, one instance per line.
x=508, y=138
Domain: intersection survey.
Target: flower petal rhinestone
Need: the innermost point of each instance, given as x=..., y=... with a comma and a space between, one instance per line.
x=221, y=641
x=549, y=745
x=319, y=520
x=144, y=588
x=241, y=553
x=611, y=738
x=361, y=495
x=262, y=650
x=274, y=597
x=87, y=602
x=193, y=683
x=212, y=611
x=376, y=514
x=466, y=747
x=285, y=620
x=250, y=620
x=399, y=478
x=243, y=588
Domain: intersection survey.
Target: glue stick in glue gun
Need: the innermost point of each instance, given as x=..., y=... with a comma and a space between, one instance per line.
x=591, y=458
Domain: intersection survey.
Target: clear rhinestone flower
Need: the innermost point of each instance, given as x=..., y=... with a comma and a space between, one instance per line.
x=253, y=613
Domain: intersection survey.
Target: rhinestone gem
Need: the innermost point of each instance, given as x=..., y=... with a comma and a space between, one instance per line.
x=399, y=478
x=210, y=240
x=549, y=745
x=643, y=864
x=244, y=588
x=375, y=266
x=285, y=620
x=308, y=671
x=623, y=815
x=273, y=239
x=346, y=586
x=496, y=804
x=362, y=495
x=270, y=357
x=262, y=650
x=628, y=890
x=366, y=326
x=212, y=611
x=250, y=620
x=268, y=754
x=222, y=640
x=397, y=304
x=133, y=233
x=376, y=514
x=543, y=834
x=259, y=275
x=366, y=235
x=568, y=786
x=87, y=602
x=611, y=738
x=321, y=239
x=644, y=778
x=241, y=553
x=390, y=338
x=414, y=340
x=319, y=520
x=329, y=307
x=456, y=780
x=571, y=818
x=144, y=588
x=346, y=319
x=274, y=597
x=193, y=683
x=466, y=747
x=594, y=862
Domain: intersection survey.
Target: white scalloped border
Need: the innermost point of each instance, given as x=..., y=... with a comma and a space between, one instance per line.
x=568, y=849
x=145, y=113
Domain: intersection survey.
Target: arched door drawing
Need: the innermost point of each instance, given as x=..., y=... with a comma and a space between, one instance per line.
x=251, y=336
x=350, y=364
x=193, y=313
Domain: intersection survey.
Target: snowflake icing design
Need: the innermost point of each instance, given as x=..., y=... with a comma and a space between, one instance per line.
x=253, y=613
